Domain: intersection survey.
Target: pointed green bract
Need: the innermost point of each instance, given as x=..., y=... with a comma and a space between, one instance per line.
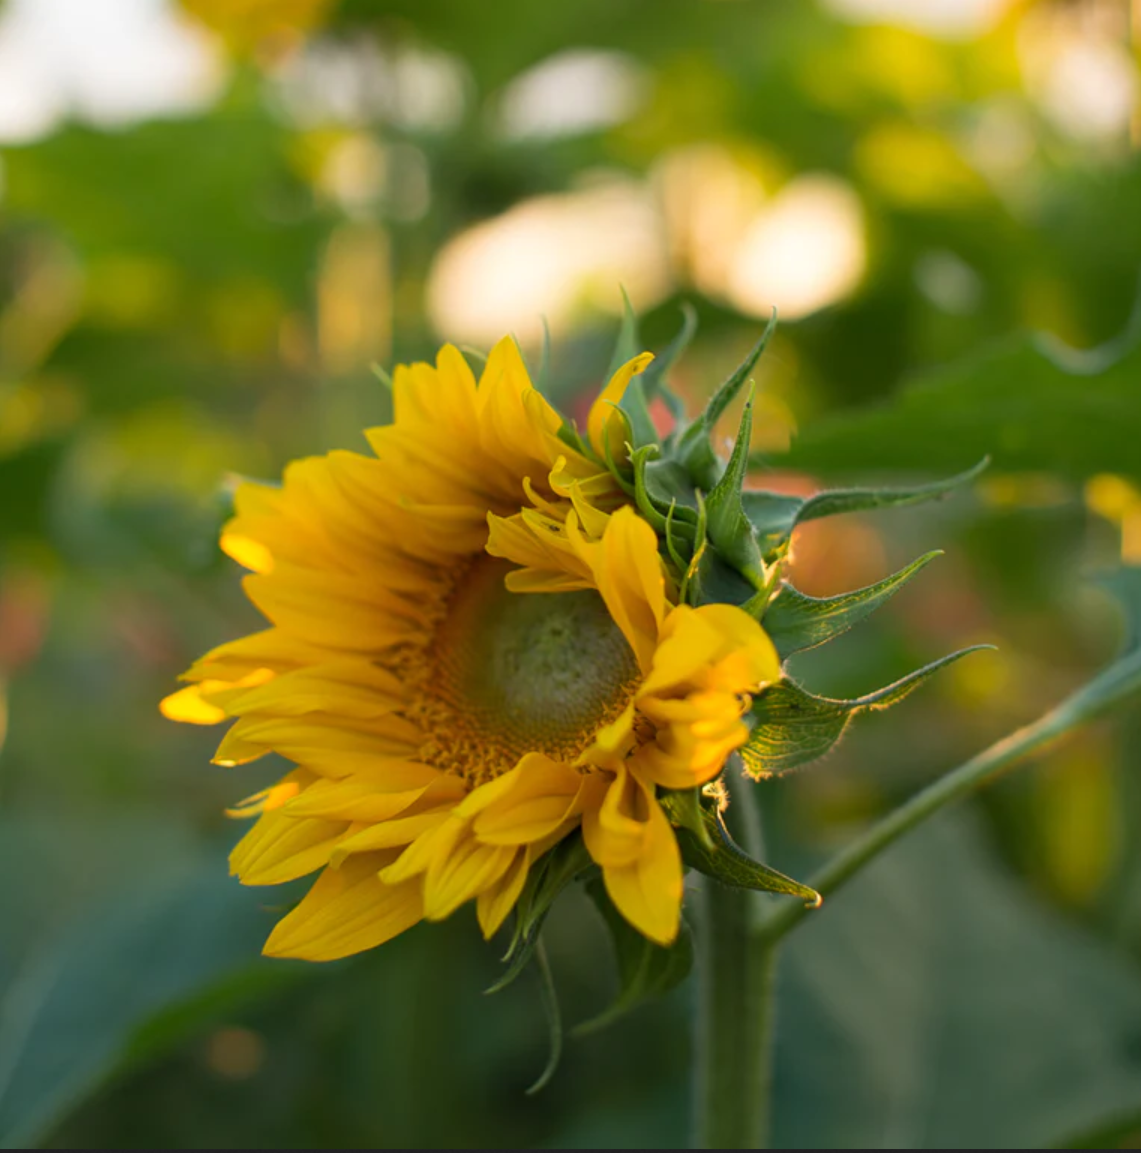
x=687, y=811
x=548, y=877
x=717, y=855
x=633, y=407
x=792, y=727
x=694, y=448
x=645, y=970
x=774, y=515
x=654, y=378
x=795, y=622
x=628, y=344
x=554, y=1020
x=729, y=528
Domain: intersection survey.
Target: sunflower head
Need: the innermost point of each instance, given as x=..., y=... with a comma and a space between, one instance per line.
x=502, y=653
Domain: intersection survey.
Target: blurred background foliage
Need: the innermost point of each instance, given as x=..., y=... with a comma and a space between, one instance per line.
x=216, y=216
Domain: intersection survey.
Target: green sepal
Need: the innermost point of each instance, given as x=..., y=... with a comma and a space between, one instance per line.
x=547, y=878
x=645, y=969
x=653, y=380
x=685, y=810
x=791, y=726
x=774, y=515
x=627, y=345
x=550, y=1001
x=543, y=378
x=795, y=622
x=689, y=592
x=694, y=447
x=730, y=531
x=639, y=459
x=714, y=581
x=665, y=483
x=569, y=435
x=634, y=406
x=725, y=861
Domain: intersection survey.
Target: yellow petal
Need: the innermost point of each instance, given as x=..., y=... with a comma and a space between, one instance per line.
x=494, y=903
x=281, y=848
x=540, y=798
x=604, y=427
x=463, y=873
x=648, y=890
x=614, y=821
x=187, y=705
x=390, y=834
x=630, y=578
x=347, y=911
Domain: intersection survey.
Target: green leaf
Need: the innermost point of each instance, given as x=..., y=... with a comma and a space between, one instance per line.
x=940, y=1004
x=548, y=877
x=730, y=530
x=694, y=449
x=837, y=501
x=792, y=727
x=71, y=1010
x=795, y=622
x=1030, y=401
x=717, y=855
x=1125, y=585
x=645, y=970
x=775, y=515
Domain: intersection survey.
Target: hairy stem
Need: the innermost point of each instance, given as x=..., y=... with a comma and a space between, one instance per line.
x=734, y=1028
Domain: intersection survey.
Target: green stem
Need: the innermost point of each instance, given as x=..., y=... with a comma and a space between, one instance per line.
x=734, y=1029
x=1095, y=698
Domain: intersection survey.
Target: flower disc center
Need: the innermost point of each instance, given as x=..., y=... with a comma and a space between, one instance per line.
x=529, y=672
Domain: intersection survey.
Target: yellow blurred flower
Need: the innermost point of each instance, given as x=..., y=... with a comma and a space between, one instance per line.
x=246, y=24
x=475, y=651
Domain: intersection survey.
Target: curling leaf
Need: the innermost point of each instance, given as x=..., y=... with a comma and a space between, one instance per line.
x=792, y=727
x=715, y=853
x=795, y=622
x=645, y=970
x=554, y=1019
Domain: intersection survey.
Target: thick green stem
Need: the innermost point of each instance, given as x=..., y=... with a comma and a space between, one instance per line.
x=1095, y=698
x=734, y=1031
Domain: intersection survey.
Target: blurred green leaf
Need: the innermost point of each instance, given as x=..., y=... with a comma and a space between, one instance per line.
x=69, y=1013
x=1030, y=402
x=939, y=1005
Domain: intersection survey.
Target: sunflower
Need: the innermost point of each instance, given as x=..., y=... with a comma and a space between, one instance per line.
x=475, y=651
